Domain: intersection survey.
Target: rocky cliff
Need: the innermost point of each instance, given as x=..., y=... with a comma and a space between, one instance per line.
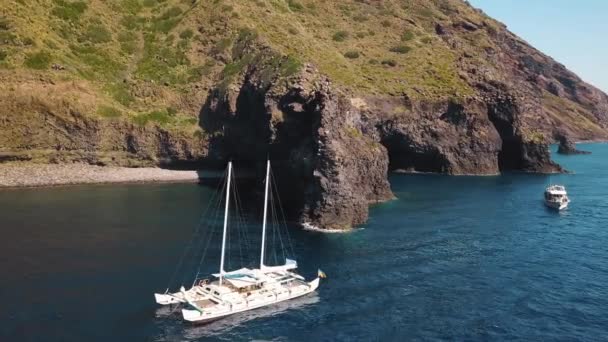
x=57, y=131
x=566, y=145
x=338, y=94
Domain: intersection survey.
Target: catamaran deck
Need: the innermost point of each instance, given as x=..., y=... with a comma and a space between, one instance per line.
x=205, y=303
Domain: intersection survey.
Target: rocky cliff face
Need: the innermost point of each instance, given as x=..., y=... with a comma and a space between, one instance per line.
x=333, y=150
x=60, y=132
x=328, y=169
x=336, y=93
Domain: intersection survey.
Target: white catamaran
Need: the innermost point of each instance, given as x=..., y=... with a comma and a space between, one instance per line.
x=242, y=289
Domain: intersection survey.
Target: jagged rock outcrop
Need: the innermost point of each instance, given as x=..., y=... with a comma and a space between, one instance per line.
x=447, y=137
x=332, y=151
x=328, y=170
x=567, y=146
x=472, y=137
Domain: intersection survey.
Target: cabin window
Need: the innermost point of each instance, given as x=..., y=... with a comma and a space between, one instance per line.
x=216, y=293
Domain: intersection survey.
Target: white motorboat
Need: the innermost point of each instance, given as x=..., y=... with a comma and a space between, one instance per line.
x=242, y=289
x=556, y=197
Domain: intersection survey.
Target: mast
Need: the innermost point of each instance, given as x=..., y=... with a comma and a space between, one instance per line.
x=265, y=214
x=225, y=221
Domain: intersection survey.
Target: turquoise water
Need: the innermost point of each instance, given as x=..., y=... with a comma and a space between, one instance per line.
x=454, y=258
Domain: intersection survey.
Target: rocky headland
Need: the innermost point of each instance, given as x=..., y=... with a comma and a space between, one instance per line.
x=417, y=86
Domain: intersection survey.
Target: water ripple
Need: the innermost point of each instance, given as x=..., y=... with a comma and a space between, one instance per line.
x=454, y=258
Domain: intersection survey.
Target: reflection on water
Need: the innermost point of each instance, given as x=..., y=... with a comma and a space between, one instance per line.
x=224, y=326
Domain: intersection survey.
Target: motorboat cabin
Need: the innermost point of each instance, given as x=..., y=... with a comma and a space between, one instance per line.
x=556, y=197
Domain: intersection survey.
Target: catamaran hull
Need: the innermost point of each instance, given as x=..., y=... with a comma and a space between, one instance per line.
x=168, y=299
x=195, y=317
x=178, y=297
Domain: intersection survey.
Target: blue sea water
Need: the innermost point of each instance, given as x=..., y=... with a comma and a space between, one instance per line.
x=453, y=258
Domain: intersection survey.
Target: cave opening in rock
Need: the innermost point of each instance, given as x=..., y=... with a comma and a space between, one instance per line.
x=502, y=116
x=509, y=157
x=252, y=126
x=404, y=155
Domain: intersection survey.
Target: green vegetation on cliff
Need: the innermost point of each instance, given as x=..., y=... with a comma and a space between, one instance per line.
x=153, y=62
x=142, y=55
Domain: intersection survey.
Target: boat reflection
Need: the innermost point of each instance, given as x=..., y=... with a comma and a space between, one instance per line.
x=195, y=332
x=223, y=325
x=168, y=310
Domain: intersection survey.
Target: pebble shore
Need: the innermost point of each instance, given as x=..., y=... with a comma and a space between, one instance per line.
x=32, y=175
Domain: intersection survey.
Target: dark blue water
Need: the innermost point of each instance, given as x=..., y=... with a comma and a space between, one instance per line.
x=454, y=258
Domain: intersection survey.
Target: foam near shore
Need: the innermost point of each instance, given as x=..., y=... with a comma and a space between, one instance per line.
x=32, y=175
x=310, y=227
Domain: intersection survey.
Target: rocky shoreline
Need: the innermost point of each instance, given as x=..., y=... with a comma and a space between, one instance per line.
x=37, y=175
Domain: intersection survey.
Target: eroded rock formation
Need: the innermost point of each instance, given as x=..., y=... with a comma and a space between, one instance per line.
x=329, y=170
x=567, y=146
x=333, y=151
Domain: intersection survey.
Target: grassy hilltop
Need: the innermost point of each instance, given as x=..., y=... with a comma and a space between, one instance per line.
x=152, y=60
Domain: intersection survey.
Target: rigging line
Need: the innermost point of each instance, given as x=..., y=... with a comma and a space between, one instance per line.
x=212, y=226
x=274, y=220
x=283, y=216
x=243, y=222
x=283, y=219
x=243, y=247
x=238, y=221
x=247, y=238
x=209, y=217
x=228, y=230
x=238, y=238
x=274, y=239
x=213, y=231
x=208, y=241
x=203, y=242
x=216, y=200
x=278, y=225
x=213, y=214
x=191, y=243
x=229, y=246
